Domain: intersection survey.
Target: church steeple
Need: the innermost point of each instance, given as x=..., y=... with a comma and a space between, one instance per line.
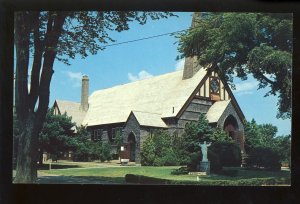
x=191, y=66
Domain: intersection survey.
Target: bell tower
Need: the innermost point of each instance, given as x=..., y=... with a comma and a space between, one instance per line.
x=191, y=65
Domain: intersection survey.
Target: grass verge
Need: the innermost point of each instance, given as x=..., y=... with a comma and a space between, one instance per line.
x=117, y=175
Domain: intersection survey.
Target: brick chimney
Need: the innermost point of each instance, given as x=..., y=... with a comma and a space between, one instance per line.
x=191, y=65
x=85, y=93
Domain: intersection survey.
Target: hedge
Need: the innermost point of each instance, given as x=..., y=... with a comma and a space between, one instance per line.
x=139, y=179
x=132, y=178
x=264, y=157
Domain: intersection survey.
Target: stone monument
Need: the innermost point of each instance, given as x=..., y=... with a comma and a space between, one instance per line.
x=204, y=164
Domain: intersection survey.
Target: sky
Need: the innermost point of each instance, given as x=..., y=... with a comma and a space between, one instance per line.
x=143, y=59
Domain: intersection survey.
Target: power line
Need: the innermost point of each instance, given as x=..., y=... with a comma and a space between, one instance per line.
x=146, y=38
x=141, y=39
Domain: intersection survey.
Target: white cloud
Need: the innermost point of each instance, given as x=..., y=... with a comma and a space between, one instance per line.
x=180, y=64
x=245, y=87
x=75, y=77
x=141, y=75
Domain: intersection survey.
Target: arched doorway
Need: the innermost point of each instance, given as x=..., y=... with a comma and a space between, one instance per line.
x=131, y=146
x=231, y=127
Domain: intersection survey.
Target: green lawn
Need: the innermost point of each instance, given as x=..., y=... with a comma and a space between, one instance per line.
x=117, y=174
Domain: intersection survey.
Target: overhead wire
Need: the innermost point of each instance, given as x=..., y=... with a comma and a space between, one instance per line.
x=145, y=38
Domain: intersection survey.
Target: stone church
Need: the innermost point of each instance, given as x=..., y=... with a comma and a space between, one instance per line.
x=168, y=102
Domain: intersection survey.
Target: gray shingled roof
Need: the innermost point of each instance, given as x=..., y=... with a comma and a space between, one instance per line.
x=72, y=109
x=149, y=119
x=216, y=110
x=156, y=96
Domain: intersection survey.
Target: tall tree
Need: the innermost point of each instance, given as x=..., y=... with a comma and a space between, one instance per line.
x=246, y=43
x=55, y=135
x=263, y=136
x=47, y=36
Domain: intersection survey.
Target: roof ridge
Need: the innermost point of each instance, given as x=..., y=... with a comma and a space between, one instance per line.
x=136, y=81
x=146, y=112
x=67, y=101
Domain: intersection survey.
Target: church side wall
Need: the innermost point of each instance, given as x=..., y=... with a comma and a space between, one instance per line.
x=145, y=132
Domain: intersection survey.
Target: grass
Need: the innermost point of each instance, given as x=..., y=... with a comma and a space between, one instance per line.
x=117, y=175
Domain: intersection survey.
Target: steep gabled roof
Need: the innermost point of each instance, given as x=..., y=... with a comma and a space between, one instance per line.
x=216, y=110
x=162, y=95
x=149, y=119
x=72, y=109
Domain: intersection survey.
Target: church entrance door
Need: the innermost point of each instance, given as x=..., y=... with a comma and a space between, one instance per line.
x=131, y=147
x=231, y=127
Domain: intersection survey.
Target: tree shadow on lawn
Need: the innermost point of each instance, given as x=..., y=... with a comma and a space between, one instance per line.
x=56, y=166
x=244, y=173
x=80, y=180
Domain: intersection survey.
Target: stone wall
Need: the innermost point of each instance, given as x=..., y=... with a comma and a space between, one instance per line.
x=132, y=126
x=239, y=134
x=230, y=111
x=145, y=132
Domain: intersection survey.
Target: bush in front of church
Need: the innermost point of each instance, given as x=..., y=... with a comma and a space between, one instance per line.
x=194, y=161
x=215, y=163
x=213, y=157
x=102, y=151
x=264, y=157
x=229, y=153
x=222, y=152
x=157, y=150
x=80, y=145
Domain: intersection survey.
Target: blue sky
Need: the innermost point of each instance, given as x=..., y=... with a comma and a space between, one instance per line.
x=128, y=62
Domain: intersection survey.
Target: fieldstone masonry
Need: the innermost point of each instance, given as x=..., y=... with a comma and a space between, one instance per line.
x=132, y=126
x=230, y=111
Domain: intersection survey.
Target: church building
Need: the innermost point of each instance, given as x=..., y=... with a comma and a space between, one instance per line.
x=168, y=102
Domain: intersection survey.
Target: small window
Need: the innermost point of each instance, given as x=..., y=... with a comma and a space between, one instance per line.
x=98, y=134
x=214, y=85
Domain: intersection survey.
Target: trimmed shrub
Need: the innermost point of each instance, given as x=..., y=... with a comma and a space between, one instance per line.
x=215, y=164
x=194, y=161
x=264, y=157
x=195, y=158
x=238, y=182
x=132, y=178
x=180, y=171
x=229, y=172
x=229, y=153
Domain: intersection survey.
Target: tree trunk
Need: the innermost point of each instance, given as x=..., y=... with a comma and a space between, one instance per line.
x=31, y=121
x=26, y=170
x=40, y=159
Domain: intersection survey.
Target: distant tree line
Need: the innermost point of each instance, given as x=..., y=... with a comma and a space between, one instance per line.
x=264, y=147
